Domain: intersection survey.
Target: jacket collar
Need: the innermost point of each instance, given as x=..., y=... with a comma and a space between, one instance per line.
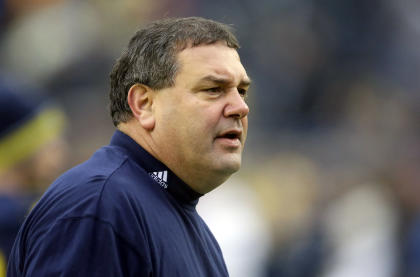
x=158, y=171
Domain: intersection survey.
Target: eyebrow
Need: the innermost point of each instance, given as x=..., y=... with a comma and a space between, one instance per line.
x=224, y=81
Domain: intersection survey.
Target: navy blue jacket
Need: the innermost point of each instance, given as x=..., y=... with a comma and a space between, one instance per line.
x=121, y=213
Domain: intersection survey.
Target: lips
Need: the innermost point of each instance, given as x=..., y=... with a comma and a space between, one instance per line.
x=232, y=134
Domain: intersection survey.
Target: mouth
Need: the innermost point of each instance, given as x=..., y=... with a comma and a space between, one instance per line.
x=232, y=137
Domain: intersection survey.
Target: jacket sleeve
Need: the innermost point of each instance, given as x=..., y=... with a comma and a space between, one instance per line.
x=85, y=247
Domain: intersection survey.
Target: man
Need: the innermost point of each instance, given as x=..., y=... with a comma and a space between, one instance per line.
x=32, y=149
x=177, y=100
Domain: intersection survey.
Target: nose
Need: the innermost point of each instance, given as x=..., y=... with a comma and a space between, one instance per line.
x=236, y=105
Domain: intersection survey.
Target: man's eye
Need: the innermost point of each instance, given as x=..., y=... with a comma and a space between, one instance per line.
x=214, y=90
x=242, y=92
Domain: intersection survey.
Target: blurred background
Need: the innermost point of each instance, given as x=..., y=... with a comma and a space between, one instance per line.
x=330, y=184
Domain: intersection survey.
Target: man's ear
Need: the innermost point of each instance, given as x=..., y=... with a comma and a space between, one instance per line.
x=140, y=100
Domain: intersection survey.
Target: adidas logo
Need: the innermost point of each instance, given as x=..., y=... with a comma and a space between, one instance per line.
x=161, y=177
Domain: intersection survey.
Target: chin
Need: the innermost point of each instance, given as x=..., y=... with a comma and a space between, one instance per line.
x=219, y=172
x=230, y=166
x=223, y=164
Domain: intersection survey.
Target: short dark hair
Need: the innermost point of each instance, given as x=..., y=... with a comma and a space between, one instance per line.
x=150, y=57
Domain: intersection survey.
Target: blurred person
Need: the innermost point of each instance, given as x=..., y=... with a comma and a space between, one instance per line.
x=11, y=10
x=288, y=183
x=178, y=102
x=87, y=36
x=74, y=26
x=360, y=227
x=32, y=152
x=234, y=214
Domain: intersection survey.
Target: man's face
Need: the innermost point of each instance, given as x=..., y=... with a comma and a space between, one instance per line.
x=201, y=121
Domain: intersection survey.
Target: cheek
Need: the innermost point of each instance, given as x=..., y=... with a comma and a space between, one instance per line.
x=203, y=115
x=210, y=119
x=194, y=121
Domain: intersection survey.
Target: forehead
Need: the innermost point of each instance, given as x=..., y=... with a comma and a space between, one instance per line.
x=214, y=59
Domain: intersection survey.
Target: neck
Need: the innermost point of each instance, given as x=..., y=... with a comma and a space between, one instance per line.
x=199, y=180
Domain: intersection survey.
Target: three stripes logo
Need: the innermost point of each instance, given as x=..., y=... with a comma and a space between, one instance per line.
x=161, y=177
